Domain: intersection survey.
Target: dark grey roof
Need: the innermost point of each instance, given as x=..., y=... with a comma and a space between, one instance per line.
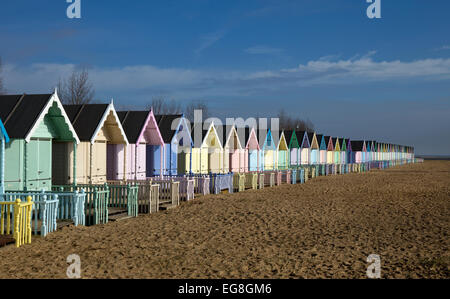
x=85, y=118
x=288, y=135
x=357, y=145
x=20, y=112
x=165, y=125
x=310, y=137
x=319, y=138
x=132, y=123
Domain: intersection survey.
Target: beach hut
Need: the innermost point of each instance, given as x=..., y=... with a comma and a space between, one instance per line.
x=294, y=147
x=305, y=145
x=314, y=159
x=100, y=131
x=358, y=150
x=177, y=143
x=330, y=149
x=379, y=151
x=248, y=137
x=38, y=131
x=141, y=130
x=322, y=149
x=4, y=139
x=232, y=148
x=343, y=148
x=349, y=158
x=337, y=151
x=283, y=153
x=207, y=156
x=268, y=149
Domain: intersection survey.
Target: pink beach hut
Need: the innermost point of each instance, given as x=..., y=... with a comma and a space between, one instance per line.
x=142, y=130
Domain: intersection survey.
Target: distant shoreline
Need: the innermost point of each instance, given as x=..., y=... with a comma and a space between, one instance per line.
x=434, y=157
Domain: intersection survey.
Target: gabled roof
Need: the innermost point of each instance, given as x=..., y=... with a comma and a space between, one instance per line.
x=291, y=138
x=245, y=134
x=342, y=145
x=3, y=131
x=202, y=126
x=22, y=114
x=165, y=125
x=282, y=140
x=88, y=119
x=302, y=138
x=133, y=123
x=224, y=132
x=322, y=142
x=267, y=135
x=329, y=142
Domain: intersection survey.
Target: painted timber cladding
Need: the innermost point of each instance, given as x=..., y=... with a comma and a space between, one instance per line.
x=232, y=149
x=322, y=149
x=283, y=153
x=337, y=151
x=4, y=139
x=305, y=147
x=291, y=138
x=35, y=123
x=330, y=149
x=99, y=130
x=206, y=157
x=177, y=143
x=314, y=158
x=251, y=151
x=268, y=150
x=141, y=130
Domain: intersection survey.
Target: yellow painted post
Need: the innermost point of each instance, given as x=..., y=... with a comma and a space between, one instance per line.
x=17, y=215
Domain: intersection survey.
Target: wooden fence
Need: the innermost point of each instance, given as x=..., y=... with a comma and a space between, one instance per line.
x=238, y=182
x=251, y=180
x=15, y=220
x=96, y=201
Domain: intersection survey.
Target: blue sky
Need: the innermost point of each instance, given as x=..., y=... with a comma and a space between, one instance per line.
x=386, y=79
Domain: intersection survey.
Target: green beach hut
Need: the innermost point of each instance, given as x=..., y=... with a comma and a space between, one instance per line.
x=39, y=131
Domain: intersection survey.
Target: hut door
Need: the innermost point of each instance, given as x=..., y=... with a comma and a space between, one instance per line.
x=253, y=160
x=32, y=165
x=141, y=158
x=60, y=163
x=99, y=156
x=39, y=161
x=45, y=164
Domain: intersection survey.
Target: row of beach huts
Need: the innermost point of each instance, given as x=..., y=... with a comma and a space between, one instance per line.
x=90, y=164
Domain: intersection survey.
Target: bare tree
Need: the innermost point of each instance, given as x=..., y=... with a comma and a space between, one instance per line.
x=196, y=105
x=2, y=89
x=296, y=123
x=162, y=105
x=77, y=89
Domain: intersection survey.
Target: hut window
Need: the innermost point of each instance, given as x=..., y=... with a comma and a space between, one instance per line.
x=213, y=141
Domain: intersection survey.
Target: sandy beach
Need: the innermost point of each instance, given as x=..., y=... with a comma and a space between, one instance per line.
x=325, y=228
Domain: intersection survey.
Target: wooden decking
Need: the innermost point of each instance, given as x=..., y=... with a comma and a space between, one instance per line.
x=6, y=240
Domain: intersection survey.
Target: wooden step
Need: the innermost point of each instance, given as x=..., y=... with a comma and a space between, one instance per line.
x=118, y=217
x=6, y=239
x=165, y=207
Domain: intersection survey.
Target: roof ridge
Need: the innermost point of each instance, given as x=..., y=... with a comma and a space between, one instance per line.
x=14, y=109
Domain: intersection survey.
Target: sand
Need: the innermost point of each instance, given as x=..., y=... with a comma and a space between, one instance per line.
x=325, y=228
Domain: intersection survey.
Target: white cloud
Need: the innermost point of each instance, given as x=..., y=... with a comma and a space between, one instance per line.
x=194, y=83
x=263, y=50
